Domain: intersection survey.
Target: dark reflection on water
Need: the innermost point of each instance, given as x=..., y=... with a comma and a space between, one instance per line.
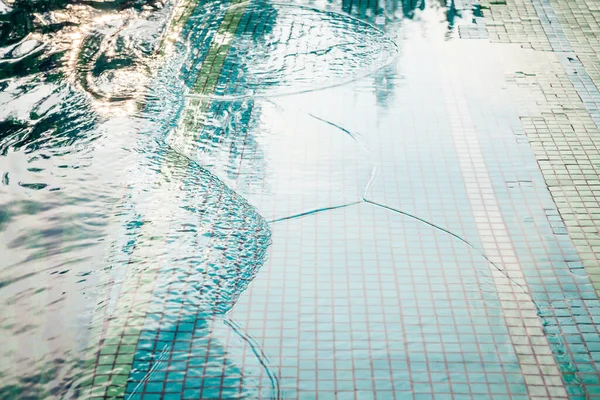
x=60, y=190
x=393, y=11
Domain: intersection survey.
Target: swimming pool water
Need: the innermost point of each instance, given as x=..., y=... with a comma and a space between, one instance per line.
x=253, y=199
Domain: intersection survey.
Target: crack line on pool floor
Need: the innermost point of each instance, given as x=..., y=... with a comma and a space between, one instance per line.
x=346, y=131
x=471, y=245
x=258, y=353
x=412, y=216
x=538, y=308
x=365, y=199
x=312, y=212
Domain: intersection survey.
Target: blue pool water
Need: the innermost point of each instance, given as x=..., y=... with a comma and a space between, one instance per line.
x=255, y=199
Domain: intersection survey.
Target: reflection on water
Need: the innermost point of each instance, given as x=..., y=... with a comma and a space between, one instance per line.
x=385, y=13
x=95, y=206
x=196, y=247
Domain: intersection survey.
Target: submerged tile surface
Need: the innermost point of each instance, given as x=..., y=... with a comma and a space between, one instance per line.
x=447, y=269
x=356, y=200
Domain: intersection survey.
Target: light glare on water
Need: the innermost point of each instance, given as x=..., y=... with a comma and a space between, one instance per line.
x=255, y=199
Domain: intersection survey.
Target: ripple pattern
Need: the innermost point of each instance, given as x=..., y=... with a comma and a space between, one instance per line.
x=308, y=49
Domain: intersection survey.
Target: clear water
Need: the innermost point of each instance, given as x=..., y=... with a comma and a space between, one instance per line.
x=264, y=200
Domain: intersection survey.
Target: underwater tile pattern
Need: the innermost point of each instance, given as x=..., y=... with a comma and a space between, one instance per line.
x=488, y=292
x=385, y=328
x=498, y=247
x=562, y=133
x=568, y=125
x=549, y=269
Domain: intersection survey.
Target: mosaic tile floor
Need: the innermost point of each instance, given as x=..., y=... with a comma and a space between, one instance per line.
x=361, y=200
x=449, y=256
